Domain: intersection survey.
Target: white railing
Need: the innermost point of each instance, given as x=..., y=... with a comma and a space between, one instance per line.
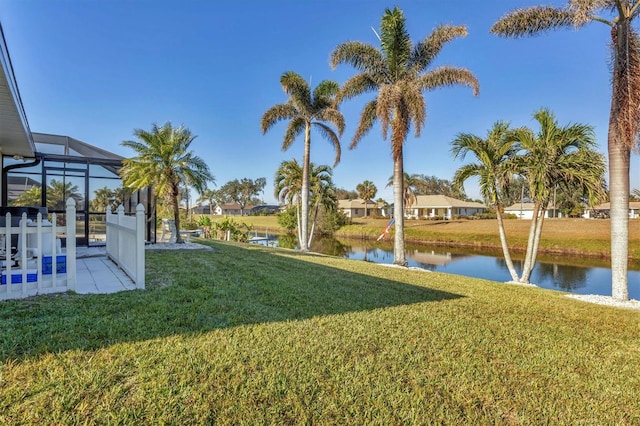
x=42, y=267
x=125, y=242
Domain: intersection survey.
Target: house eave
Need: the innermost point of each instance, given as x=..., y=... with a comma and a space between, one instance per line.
x=15, y=135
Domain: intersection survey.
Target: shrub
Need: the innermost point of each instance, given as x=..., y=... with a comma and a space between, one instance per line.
x=227, y=225
x=204, y=221
x=331, y=220
x=288, y=219
x=189, y=225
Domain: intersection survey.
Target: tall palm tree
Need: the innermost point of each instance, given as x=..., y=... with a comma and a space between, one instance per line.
x=492, y=170
x=164, y=162
x=288, y=188
x=305, y=109
x=624, y=118
x=556, y=156
x=367, y=191
x=398, y=73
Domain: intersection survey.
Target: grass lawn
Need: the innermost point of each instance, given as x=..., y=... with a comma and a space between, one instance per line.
x=254, y=335
x=583, y=237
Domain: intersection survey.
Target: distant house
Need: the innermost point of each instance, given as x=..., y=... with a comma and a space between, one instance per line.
x=233, y=209
x=441, y=206
x=356, y=208
x=200, y=209
x=602, y=210
x=525, y=211
x=264, y=209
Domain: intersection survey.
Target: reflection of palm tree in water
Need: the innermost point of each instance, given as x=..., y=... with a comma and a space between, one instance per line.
x=566, y=277
x=330, y=246
x=288, y=241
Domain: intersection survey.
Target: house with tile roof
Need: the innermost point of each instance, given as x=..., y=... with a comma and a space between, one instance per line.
x=441, y=206
x=525, y=211
x=356, y=208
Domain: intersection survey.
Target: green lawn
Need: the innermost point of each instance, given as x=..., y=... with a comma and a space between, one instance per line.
x=253, y=335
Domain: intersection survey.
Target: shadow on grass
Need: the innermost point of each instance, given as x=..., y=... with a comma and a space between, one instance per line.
x=196, y=292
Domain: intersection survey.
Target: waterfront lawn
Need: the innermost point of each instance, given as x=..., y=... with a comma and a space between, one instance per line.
x=255, y=335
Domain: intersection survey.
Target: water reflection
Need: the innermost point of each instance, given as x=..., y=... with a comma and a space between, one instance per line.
x=576, y=275
x=566, y=278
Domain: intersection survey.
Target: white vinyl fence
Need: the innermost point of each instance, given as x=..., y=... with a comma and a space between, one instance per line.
x=125, y=242
x=37, y=264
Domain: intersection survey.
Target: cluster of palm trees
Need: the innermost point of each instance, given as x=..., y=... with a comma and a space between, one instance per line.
x=554, y=156
x=398, y=73
x=322, y=192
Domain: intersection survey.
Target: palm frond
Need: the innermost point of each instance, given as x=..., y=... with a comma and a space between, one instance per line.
x=333, y=116
x=427, y=50
x=328, y=134
x=386, y=103
x=326, y=89
x=367, y=119
x=275, y=114
x=355, y=86
x=584, y=10
x=533, y=21
x=361, y=56
x=295, y=127
x=415, y=104
x=449, y=76
x=297, y=88
x=395, y=42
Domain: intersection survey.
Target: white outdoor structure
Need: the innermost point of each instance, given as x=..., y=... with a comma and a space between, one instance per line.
x=125, y=242
x=36, y=272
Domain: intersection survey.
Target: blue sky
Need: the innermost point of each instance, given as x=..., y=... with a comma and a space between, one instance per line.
x=96, y=70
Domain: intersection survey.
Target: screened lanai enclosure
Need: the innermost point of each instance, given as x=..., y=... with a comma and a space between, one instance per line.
x=64, y=168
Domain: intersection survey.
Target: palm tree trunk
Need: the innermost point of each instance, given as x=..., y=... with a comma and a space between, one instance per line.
x=530, y=244
x=304, y=232
x=505, y=247
x=619, y=158
x=527, y=269
x=299, y=221
x=313, y=224
x=175, y=192
x=536, y=242
x=398, y=210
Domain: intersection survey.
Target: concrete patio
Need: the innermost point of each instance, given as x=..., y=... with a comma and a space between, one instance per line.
x=95, y=273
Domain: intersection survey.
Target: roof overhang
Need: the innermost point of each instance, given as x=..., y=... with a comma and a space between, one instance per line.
x=15, y=135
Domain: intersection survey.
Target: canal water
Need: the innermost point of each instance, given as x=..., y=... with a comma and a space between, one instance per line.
x=570, y=274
